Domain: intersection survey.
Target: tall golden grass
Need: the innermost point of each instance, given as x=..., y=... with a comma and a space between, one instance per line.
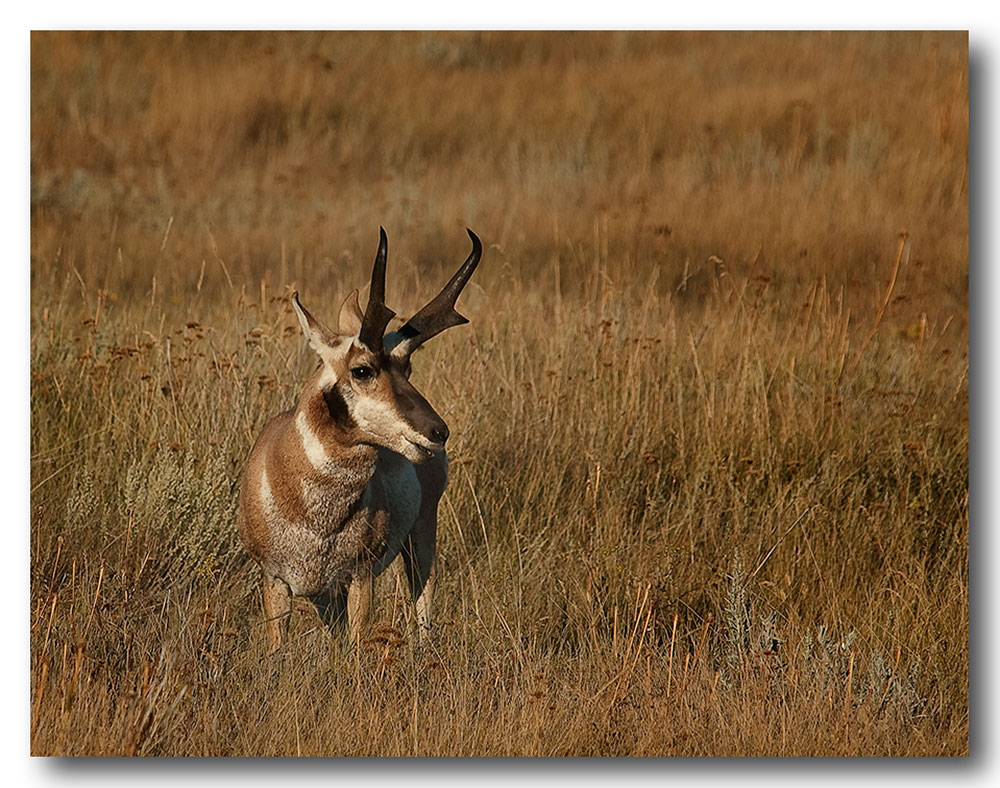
x=709, y=488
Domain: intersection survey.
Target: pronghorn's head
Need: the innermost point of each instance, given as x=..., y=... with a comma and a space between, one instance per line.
x=365, y=376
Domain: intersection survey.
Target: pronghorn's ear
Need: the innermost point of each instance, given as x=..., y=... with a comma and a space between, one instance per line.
x=351, y=316
x=319, y=336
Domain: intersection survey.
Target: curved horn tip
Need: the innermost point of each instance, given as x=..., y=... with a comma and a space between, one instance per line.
x=383, y=244
x=476, y=243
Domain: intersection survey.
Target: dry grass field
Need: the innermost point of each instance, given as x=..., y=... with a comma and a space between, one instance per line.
x=709, y=481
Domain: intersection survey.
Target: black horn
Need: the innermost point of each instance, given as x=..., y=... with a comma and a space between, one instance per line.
x=377, y=314
x=440, y=313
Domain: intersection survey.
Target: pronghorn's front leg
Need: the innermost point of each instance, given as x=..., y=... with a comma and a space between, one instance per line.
x=423, y=604
x=359, y=602
x=418, y=559
x=277, y=611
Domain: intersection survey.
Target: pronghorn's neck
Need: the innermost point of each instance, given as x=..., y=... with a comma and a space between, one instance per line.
x=305, y=507
x=323, y=427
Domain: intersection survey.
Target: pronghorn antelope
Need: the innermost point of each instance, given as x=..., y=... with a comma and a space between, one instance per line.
x=351, y=477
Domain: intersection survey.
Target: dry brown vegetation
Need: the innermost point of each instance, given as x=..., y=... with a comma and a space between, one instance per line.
x=710, y=434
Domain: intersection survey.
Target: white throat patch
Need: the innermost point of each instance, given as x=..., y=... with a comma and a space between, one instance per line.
x=311, y=443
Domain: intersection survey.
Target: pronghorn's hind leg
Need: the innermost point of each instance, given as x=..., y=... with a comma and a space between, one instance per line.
x=332, y=606
x=277, y=611
x=418, y=561
x=349, y=604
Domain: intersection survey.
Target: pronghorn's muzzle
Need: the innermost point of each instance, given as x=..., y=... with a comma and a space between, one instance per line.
x=423, y=419
x=440, y=434
x=434, y=431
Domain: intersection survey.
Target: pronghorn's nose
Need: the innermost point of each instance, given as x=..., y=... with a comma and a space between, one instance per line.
x=440, y=434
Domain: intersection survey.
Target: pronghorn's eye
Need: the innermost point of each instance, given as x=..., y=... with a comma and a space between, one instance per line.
x=363, y=373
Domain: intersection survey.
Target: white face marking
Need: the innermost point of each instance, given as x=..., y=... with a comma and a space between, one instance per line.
x=384, y=421
x=397, y=346
x=311, y=443
x=327, y=378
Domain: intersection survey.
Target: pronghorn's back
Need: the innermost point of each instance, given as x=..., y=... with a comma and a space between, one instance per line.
x=350, y=478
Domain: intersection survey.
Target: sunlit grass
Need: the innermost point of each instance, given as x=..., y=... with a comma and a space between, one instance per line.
x=709, y=421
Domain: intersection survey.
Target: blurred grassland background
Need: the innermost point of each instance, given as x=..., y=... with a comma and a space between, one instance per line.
x=709, y=482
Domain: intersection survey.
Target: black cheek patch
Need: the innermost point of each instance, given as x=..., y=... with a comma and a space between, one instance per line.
x=338, y=408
